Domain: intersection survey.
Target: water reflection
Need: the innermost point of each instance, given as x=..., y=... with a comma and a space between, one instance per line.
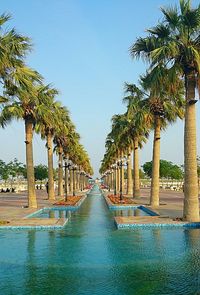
x=31, y=268
x=91, y=257
x=130, y=212
x=61, y=214
x=52, y=214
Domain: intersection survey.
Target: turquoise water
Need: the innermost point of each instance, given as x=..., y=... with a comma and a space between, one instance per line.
x=63, y=213
x=91, y=257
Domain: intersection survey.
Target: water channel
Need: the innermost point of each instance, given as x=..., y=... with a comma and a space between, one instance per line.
x=91, y=257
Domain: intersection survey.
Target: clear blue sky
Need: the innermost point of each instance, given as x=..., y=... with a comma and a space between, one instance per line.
x=81, y=46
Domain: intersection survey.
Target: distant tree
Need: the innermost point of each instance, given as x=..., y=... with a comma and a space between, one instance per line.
x=41, y=172
x=142, y=174
x=16, y=168
x=12, y=169
x=147, y=167
x=167, y=170
x=176, y=172
x=4, y=174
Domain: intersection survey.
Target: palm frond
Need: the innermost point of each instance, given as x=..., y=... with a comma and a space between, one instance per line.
x=161, y=31
x=171, y=16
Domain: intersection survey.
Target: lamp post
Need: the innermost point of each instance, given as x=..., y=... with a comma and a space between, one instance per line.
x=66, y=166
x=74, y=169
x=120, y=163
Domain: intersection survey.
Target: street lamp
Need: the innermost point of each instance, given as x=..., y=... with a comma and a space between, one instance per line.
x=120, y=164
x=74, y=167
x=66, y=166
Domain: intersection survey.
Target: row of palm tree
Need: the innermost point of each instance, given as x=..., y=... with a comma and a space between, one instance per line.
x=26, y=97
x=165, y=92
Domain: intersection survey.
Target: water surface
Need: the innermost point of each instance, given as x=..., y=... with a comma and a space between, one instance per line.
x=91, y=257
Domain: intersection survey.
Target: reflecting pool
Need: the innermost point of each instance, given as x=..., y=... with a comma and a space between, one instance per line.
x=89, y=256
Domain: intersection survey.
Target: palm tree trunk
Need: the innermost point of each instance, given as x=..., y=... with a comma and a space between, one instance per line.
x=133, y=175
x=32, y=201
x=51, y=194
x=74, y=182
x=112, y=180
x=118, y=179
x=136, y=170
x=154, y=197
x=60, y=172
x=115, y=181
x=122, y=179
x=81, y=181
x=78, y=180
x=71, y=181
x=66, y=183
x=129, y=176
x=191, y=201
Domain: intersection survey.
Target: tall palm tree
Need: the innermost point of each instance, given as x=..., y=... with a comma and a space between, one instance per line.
x=46, y=124
x=24, y=108
x=18, y=81
x=61, y=138
x=175, y=42
x=118, y=124
x=138, y=128
x=165, y=104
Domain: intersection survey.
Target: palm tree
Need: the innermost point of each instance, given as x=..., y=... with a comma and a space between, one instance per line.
x=129, y=190
x=176, y=42
x=58, y=141
x=138, y=128
x=61, y=138
x=46, y=124
x=118, y=124
x=24, y=108
x=69, y=149
x=109, y=160
x=17, y=79
x=165, y=104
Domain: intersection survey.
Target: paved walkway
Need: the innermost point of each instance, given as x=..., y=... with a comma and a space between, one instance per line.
x=171, y=202
x=12, y=205
x=13, y=208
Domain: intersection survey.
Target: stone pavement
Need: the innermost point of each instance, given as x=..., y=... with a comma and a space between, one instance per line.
x=171, y=202
x=12, y=204
x=13, y=209
x=171, y=207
